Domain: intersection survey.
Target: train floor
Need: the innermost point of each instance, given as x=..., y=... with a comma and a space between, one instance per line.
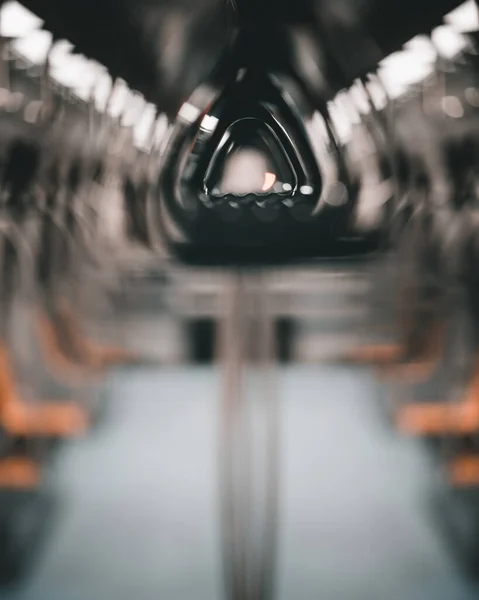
x=138, y=510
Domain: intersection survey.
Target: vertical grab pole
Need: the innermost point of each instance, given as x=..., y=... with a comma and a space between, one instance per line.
x=249, y=440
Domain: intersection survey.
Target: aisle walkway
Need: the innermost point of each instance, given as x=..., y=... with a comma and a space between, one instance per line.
x=138, y=519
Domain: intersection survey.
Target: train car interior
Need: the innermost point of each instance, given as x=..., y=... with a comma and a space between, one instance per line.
x=239, y=300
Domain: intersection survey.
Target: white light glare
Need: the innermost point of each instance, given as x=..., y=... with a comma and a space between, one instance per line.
x=378, y=94
x=160, y=129
x=344, y=100
x=464, y=18
x=209, y=123
x=86, y=84
x=143, y=128
x=452, y=106
x=118, y=99
x=307, y=190
x=360, y=98
x=341, y=122
x=188, y=112
x=34, y=47
x=102, y=92
x=84, y=77
x=73, y=71
x=134, y=107
x=422, y=48
x=61, y=60
x=448, y=42
x=17, y=21
x=401, y=69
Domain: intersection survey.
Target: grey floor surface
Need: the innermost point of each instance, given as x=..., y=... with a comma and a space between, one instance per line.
x=138, y=518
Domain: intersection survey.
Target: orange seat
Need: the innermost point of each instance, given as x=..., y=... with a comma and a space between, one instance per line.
x=459, y=418
x=42, y=419
x=374, y=355
x=19, y=474
x=45, y=419
x=464, y=471
x=438, y=418
x=394, y=362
